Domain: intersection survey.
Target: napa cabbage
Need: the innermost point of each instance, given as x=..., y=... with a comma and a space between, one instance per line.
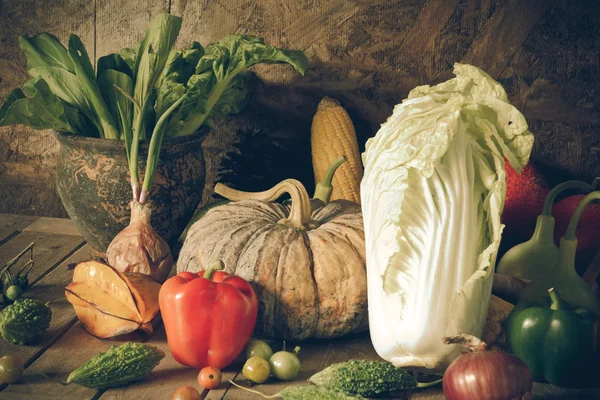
x=432, y=194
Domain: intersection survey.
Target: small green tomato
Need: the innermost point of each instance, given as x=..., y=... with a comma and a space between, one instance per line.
x=256, y=369
x=13, y=293
x=11, y=369
x=285, y=365
x=258, y=348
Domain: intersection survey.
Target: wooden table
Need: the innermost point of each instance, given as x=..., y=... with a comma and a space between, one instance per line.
x=66, y=345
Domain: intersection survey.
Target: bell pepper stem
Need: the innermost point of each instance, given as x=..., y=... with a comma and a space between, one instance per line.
x=572, y=227
x=324, y=188
x=555, y=299
x=584, y=187
x=212, y=267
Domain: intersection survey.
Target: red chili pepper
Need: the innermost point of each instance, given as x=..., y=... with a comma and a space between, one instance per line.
x=209, y=316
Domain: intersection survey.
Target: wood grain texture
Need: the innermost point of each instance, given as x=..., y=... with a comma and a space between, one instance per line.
x=11, y=224
x=368, y=54
x=50, y=287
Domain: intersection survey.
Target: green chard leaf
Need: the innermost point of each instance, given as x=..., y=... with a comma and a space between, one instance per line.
x=115, y=62
x=129, y=54
x=153, y=54
x=45, y=50
x=217, y=88
x=117, y=90
x=171, y=84
x=70, y=76
x=43, y=110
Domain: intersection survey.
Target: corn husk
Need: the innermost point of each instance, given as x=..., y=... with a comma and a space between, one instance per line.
x=110, y=303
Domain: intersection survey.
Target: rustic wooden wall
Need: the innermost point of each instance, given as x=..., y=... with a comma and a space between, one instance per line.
x=366, y=53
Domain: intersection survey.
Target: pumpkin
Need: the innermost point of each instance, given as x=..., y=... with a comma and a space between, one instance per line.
x=305, y=259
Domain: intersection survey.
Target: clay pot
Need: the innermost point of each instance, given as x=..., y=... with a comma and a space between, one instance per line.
x=92, y=179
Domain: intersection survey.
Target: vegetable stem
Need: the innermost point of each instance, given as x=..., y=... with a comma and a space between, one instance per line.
x=572, y=227
x=15, y=259
x=154, y=149
x=584, y=187
x=556, y=302
x=300, y=213
x=273, y=396
x=422, y=385
x=216, y=265
x=135, y=144
x=324, y=188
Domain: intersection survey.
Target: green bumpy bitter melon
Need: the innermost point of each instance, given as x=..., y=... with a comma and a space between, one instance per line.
x=367, y=378
x=24, y=321
x=118, y=366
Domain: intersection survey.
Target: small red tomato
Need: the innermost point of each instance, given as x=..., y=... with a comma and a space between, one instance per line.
x=209, y=377
x=185, y=393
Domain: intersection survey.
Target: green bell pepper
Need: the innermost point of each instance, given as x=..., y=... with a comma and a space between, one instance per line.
x=557, y=343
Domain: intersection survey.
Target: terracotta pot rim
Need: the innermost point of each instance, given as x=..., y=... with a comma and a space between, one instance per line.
x=65, y=137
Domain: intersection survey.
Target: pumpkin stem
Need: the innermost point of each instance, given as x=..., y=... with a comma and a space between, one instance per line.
x=300, y=212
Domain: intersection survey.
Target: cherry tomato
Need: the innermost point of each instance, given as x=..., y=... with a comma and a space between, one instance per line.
x=209, y=377
x=11, y=369
x=256, y=369
x=258, y=348
x=185, y=393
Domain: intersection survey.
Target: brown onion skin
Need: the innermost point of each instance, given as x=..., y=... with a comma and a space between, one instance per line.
x=495, y=376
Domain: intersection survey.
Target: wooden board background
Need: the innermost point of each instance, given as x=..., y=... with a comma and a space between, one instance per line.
x=366, y=53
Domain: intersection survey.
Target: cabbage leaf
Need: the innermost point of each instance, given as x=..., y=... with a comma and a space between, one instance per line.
x=432, y=194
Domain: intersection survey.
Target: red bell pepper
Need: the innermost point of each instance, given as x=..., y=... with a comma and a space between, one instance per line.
x=208, y=316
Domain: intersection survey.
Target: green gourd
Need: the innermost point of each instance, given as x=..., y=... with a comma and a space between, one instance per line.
x=564, y=278
x=305, y=392
x=24, y=321
x=367, y=378
x=539, y=254
x=118, y=366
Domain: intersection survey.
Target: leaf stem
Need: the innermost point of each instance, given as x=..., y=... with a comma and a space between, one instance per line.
x=154, y=149
x=135, y=145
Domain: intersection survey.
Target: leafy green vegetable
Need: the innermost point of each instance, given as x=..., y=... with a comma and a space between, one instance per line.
x=432, y=194
x=43, y=110
x=24, y=321
x=115, y=62
x=117, y=89
x=118, y=366
x=70, y=76
x=217, y=88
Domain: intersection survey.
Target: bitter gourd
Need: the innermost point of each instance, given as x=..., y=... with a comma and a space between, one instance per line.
x=118, y=366
x=24, y=321
x=367, y=378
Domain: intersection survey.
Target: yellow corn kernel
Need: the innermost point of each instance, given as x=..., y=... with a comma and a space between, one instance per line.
x=333, y=135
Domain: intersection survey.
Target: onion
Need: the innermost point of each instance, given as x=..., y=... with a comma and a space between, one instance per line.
x=485, y=375
x=139, y=248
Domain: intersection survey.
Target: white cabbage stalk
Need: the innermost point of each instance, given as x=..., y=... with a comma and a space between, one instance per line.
x=432, y=194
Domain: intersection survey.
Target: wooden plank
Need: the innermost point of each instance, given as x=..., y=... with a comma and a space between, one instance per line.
x=48, y=250
x=163, y=380
x=494, y=49
x=11, y=224
x=50, y=287
x=61, y=226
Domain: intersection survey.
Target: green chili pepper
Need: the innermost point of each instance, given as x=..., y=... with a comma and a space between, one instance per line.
x=556, y=343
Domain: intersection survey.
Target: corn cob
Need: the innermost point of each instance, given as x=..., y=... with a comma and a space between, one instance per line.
x=332, y=136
